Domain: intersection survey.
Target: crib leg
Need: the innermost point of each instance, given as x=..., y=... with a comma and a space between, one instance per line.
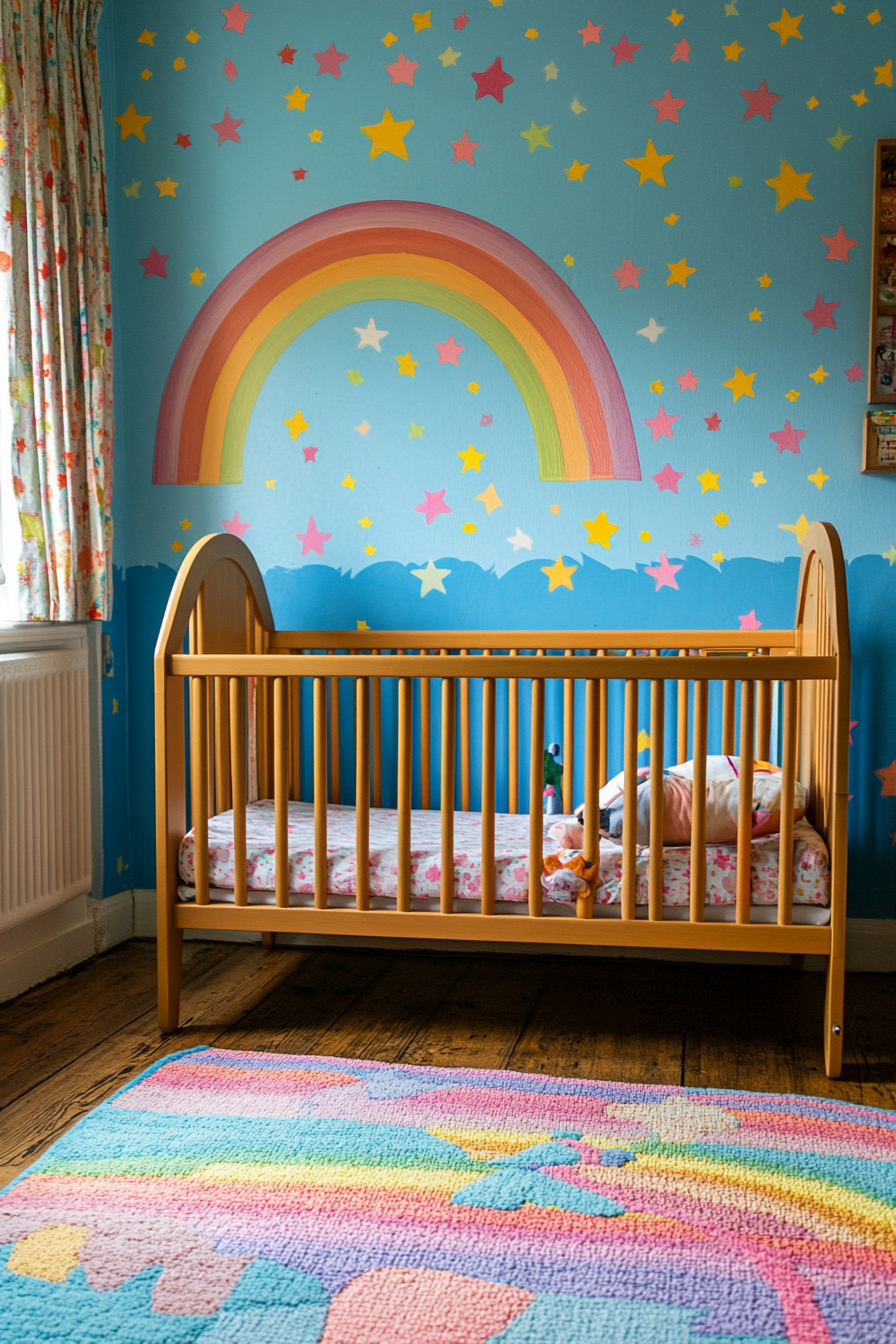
x=169, y=948
x=269, y=940
x=833, y=1017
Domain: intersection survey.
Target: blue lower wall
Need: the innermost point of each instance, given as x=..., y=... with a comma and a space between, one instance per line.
x=318, y=597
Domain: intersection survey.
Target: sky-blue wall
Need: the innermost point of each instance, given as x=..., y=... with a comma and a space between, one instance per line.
x=736, y=543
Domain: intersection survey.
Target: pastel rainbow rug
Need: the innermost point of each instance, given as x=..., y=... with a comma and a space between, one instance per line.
x=238, y=1198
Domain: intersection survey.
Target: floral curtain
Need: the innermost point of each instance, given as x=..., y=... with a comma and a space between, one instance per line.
x=54, y=256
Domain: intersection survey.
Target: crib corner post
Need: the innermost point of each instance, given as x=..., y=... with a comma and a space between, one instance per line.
x=169, y=954
x=833, y=1016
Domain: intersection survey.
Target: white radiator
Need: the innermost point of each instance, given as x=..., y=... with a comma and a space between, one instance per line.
x=45, y=836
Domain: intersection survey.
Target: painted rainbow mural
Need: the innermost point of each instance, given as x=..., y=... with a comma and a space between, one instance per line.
x=408, y=251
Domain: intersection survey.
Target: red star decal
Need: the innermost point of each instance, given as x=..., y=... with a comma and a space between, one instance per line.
x=493, y=81
x=287, y=54
x=838, y=245
x=461, y=21
x=236, y=18
x=821, y=314
x=330, y=60
x=682, y=51
x=712, y=421
x=183, y=140
x=590, y=33
x=625, y=50
x=299, y=174
x=667, y=107
x=760, y=101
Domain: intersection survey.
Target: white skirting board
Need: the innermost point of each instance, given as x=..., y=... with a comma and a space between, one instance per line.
x=40, y=948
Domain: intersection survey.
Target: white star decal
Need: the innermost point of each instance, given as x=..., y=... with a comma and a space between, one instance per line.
x=519, y=541
x=370, y=336
x=652, y=331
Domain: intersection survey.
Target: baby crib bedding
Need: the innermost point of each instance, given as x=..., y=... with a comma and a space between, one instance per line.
x=810, y=859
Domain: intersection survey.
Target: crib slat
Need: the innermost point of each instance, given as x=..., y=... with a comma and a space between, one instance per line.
x=335, y=775
x=238, y=785
x=630, y=800
x=281, y=792
x=788, y=789
x=513, y=741
x=569, y=737
x=763, y=717
x=320, y=792
x=488, y=796
x=745, y=802
x=604, y=726
x=295, y=738
x=465, y=741
x=362, y=793
x=682, y=752
x=536, y=798
x=729, y=689
x=425, y=743
x=657, y=808
x=698, y=803
x=446, y=893
x=377, y=697
x=405, y=735
x=199, y=784
x=263, y=736
x=211, y=739
x=222, y=746
x=591, y=818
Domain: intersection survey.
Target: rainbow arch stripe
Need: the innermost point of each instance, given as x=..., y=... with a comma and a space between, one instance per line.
x=414, y=252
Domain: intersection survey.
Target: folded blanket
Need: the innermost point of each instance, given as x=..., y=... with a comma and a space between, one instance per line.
x=722, y=792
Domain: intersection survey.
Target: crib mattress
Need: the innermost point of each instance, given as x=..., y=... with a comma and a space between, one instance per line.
x=810, y=859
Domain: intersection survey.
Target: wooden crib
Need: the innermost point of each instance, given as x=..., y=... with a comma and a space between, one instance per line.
x=454, y=719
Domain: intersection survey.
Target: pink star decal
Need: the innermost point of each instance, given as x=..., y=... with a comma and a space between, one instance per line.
x=402, y=70
x=712, y=421
x=625, y=50
x=668, y=478
x=330, y=60
x=788, y=438
x=663, y=574
x=299, y=174
x=627, y=273
x=759, y=101
x=235, y=18
x=853, y=723
x=695, y=539
x=838, y=246
x=661, y=424
x=486, y=420
x=448, y=351
x=463, y=148
x=183, y=141
x=855, y=374
x=687, y=381
x=154, y=264
x=493, y=81
x=235, y=526
x=287, y=54
x=590, y=33
x=227, y=127
x=667, y=107
x=311, y=539
x=432, y=506
x=461, y=21
x=682, y=51
x=310, y=453
x=749, y=622
x=821, y=314
x=230, y=70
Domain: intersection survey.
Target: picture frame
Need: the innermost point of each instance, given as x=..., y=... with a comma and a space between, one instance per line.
x=882, y=351
x=879, y=440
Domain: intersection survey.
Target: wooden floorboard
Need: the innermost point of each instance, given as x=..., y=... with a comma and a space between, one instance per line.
x=69, y=1044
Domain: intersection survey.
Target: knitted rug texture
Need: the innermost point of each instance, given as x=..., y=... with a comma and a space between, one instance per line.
x=241, y=1198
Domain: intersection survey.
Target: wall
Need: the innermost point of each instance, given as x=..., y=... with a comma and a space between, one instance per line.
x=747, y=413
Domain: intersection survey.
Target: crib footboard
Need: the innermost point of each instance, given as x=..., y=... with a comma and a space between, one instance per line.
x=459, y=722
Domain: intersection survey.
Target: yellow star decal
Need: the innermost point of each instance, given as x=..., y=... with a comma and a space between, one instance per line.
x=792, y=395
x=758, y=478
x=734, y=181
x=489, y=498
x=860, y=99
x=889, y=554
x=365, y=522
x=471, y=458
x=839, y=8
x=600, y=530
x=197, y=276
x=146, y=74
x=839, y=140
x=733, y=52
x=644, y=741
x=764, y=281
x=132, y=123
x=387, y=136
x=531, y=33
x=650, y=165
x=193, y=36
x=671, y=220
x=421, y=21
x=741, y=384
x=271, y=485
x=349, y=482
x=296, y=424
x=883, y=74
x=679, y=272
x=787, y=27
x=147, y=38
x=577, y=107
x=799, y=528
x=316, y=136
x=789, y=185
x=709, y=480
x=755, y=315
x=568, y=260
x=295, y=101
x=819, y=375
x=675, y=18
x=167, y=188
x=657, y=387
x=133, y=189
x=818, y=478
x=469, y=528
x=874, y=16
x=718, y=557
x=813, y=103
x=407, y=364
x=720, y=519
x=179, y=63
x=370, y=550
x=449, y=57
x=388, y=39
x=559, y=575
x=578, y=170
x=645, y=536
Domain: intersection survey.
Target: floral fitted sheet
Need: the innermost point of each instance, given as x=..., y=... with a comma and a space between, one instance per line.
x=810, y=858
